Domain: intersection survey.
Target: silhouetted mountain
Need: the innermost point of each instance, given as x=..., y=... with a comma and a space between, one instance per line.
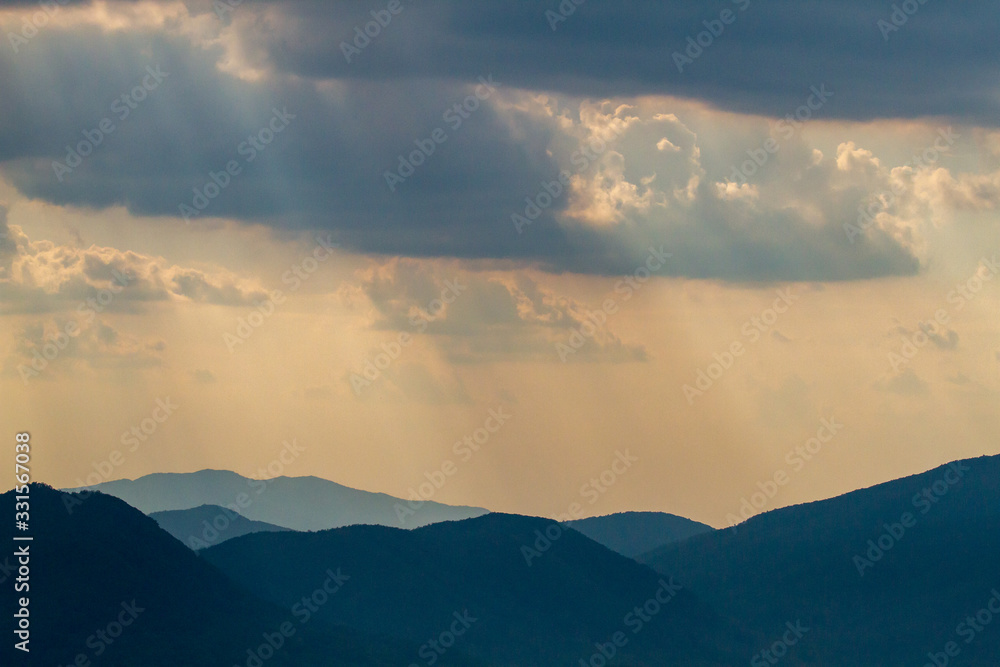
x=108, y=583
x=298, y=503
x=634, y=533
x=203, y=526
x=903, y=573
x=535, y=600
x=881, y=576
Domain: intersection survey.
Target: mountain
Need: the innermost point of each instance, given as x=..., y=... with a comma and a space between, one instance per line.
x=634, y=533
x=902, y=573
x=201, y=526
x=515, y=590
x=887, y=575
x=105, y=582
x=297, y=503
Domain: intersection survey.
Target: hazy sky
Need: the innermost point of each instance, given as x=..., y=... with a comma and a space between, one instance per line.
x=686, y=236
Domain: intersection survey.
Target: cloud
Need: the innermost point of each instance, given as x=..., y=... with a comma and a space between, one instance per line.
x=761, y=64
x=326, y=169
x=780, y=337
x=945, y=339
x=42, y=276
x=203, y=376
x=44, y=349
x=905, y=383
x=479, y=317
x=665, y=144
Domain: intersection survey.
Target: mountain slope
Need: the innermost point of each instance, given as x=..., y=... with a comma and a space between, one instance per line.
x=297, y=503
x=574, y=595
x=200, y=527
x=865, y=602
x=634, y=533
x=107, y=583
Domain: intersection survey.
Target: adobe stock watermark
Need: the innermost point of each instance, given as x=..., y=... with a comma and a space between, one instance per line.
x=911, y=345
x=973, y=625
x=30, y=25
x=788, y=127
x=550, y=191
x=375, y=367
x=212, y=531
x=454, y=116
x=363, y=35
x=963, y=293
x=899, y=16
x=432, y=650
x=635, y=620
x=796, y=458
x=122, y=107
x=714, y=28
x=626, y=288
x=249, y=150
x=592, y=490
x=294, y=277
x=102, y=639
x=464, y=449
x=924, y=500
x=868, y=211
x=779, y=648
x=752, y=330
x=137, y=436
x=559, y=15
x=971, y=287
x=53, y=346
x=302, y=611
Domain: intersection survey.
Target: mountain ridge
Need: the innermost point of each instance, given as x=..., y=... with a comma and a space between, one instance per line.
x=298, y=503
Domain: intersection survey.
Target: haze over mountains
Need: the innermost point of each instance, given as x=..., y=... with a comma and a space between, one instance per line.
x=535, y=599
x=109, y=587
x=202, y=526
x=211, y=506
x=903, y=573
x=628, y=533
x=881, y=576
x=635, y=533
x=297, y=503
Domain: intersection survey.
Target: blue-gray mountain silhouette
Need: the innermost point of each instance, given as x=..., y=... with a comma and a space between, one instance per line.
x=297, y=503
x=201, y=527
x=806, y=562
x=635, y=533
x=574, y=596
x=903, y=573
x=97, y=561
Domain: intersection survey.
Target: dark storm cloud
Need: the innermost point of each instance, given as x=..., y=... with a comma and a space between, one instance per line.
x=324, y=170
x=941, y=61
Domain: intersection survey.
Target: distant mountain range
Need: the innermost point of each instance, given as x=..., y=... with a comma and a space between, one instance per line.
x=903, y=573
x=635, y=533
x=108, y=587
x=628, y=533
x=538, y=594
x=179, y=502
x=297, y=503
x=205, y=525
x=881, y=576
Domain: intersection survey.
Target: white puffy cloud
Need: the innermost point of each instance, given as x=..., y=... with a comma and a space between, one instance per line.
x=42, y=276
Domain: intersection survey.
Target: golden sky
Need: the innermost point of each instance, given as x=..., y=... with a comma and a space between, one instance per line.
x=258, y=317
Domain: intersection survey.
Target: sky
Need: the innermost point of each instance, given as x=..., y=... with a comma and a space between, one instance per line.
x=701, y=258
